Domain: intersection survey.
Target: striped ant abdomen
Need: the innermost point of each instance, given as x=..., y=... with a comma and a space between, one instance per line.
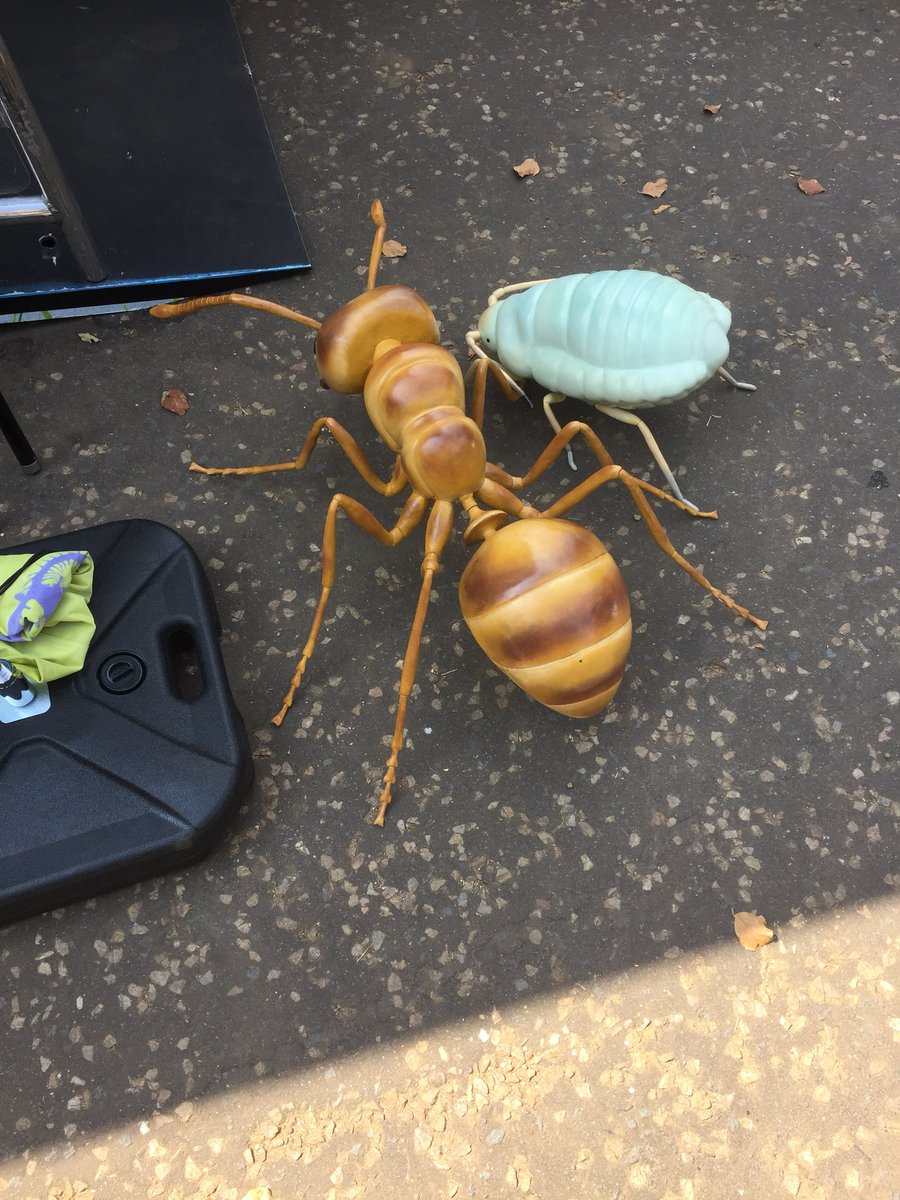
x=547, y=604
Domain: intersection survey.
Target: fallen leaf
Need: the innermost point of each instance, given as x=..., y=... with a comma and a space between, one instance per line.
x=175, y=401
x=258, y=1193
x=810, y=187
x=392, y=249
x=662, y=208
x=711, y=108
x=752, y=930
x=847, y=261
x=655, y=189
x=526, y=167
x=88, y=337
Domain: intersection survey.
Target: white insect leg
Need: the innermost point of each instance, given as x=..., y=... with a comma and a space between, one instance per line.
x=513, y=287
x=745, y=387
x=549, y=400
x=628, y=418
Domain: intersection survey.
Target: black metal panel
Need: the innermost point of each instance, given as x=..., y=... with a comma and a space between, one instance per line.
x=152, y=113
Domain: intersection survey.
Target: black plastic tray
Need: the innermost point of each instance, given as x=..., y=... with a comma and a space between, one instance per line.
x=142, y=756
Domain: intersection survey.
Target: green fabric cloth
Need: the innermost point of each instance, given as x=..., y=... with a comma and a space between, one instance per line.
x=45, y=623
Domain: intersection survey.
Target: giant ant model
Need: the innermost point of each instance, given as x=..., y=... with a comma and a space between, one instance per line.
x=542, y=597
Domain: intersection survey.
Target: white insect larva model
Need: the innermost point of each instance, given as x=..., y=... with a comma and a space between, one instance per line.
x=619, y=340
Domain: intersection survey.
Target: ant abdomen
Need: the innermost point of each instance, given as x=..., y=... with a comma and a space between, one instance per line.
x=547, y=604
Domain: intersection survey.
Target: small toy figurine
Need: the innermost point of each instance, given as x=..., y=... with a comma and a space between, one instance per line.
x=14, y=689
x=542, y=597
x=619, y=340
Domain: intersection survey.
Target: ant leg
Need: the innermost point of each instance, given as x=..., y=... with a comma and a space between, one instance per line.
x=437, y=534
x=380, y=230
x=191, y=306
x=412, y=513
x=510, y=388
x=627, y=417
x=516, y=483
x=499, y=498
x=744, y=387
x=513, y=287
x=549, y=400
x=637, y=487
x=347, y=443
x=480, y=370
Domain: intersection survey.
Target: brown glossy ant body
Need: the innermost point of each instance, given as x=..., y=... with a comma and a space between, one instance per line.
x=542, y=597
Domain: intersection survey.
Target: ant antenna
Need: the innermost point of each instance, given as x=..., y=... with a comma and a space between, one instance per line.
x=380, y=230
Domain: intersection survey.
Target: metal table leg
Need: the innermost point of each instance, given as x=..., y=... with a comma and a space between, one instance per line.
x=19, y=444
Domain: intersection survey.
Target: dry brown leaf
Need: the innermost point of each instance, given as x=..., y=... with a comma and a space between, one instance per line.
x=662, y=208
x=752, y=930
x=175, y=401
x=810, y=187
x=392, y=249
x=526, y=167
x=711, y=108
x=655, y=188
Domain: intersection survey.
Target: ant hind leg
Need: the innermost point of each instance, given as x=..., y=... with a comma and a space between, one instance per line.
x=440, y=526
x=637, y=488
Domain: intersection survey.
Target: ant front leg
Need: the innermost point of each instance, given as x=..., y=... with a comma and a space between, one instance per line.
x=412, y=514
x=480, y=369
x=347, y=443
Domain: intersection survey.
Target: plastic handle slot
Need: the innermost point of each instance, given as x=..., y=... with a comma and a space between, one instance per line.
x=185, y=668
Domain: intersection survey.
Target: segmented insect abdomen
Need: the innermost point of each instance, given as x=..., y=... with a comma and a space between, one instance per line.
x=546, y=602
x=629, y=338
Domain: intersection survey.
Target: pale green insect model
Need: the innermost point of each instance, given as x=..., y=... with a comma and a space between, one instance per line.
x=620, y=340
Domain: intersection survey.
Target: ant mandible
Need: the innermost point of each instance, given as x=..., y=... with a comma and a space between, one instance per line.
x=542, y=597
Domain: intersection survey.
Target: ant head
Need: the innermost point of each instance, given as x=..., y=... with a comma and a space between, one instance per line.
x=345, y=345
